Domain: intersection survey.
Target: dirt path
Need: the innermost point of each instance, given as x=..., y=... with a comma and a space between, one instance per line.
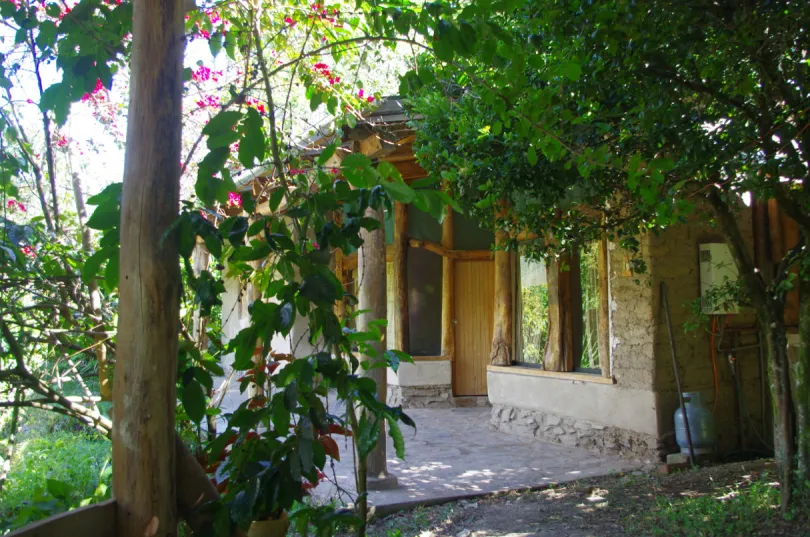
x=733, y=499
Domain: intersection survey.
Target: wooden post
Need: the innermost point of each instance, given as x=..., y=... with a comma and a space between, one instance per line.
x=501, y=353
x=143, y=438
x=399, y=317
x=371, y=297
x=604, y=308
x=448, y=289
x=559, y=351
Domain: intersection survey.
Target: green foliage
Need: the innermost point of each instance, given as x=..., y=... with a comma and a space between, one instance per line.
x=53, y=473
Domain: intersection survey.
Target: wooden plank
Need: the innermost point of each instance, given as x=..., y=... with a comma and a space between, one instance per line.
x=563, y=375
x=143, y=449
x=444, y=251
x=97, y=520
x=399, y=315
x=501, y=349
x=474, y=305
x=604, y=308
x=431, y=358
x=448, y=289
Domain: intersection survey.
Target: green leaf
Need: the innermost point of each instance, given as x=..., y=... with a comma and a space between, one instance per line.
x=572, y=70
x=357, y=170
x=92, y=265
x=326, y=154
x=396, y=435
x=317, y=288
x=46, y=38
x=252, y=146
x=222, y=122
x=106, y=216
x=194, y=401
x=399, y=191
x=531, y=156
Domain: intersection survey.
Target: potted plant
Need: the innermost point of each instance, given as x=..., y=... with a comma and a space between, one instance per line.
x=275, y=448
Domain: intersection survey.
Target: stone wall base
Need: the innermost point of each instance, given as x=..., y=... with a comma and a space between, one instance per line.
x=572, y=432
x=420, y=396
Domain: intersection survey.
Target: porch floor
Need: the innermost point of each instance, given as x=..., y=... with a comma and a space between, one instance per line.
x=455, y=454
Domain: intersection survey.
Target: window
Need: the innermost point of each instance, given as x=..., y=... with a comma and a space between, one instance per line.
x=532, y=305
x=560, y=332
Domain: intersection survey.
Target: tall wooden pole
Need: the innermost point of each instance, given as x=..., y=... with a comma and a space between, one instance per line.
x=604, y=308
x=448, y=289
x=399, y=317
x=501, y=353
x=144, y=396
x=559, y=352
x=371, y=298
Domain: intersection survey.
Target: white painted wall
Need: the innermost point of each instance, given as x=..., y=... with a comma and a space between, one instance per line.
x=422, y=373
x=605, y=404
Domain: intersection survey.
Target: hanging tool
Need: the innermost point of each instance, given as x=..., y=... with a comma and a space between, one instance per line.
x=665, y=305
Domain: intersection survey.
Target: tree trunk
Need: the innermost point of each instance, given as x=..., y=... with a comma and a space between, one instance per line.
x=5, y=469
x=559, y=352
x=105, y=388
x=502, y=331
x=144, y=449
x=371, y=298
x=770, y=314
x=800, y=369
x=448, y=288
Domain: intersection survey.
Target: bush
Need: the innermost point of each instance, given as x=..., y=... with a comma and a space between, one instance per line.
x=53, y=473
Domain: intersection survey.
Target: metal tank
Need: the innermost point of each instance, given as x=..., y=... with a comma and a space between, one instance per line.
x=701, y=425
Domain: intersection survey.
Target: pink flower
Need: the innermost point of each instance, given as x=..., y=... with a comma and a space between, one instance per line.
x=289, y=21
x=61, y=142
x=260, y=108
x=29, y=251
x=201, y=74
x=297, y=171
x=205, y=33
x=361, y=93
x=335, y=171
x=29, y=101
x=234, y=199
x=370, y=99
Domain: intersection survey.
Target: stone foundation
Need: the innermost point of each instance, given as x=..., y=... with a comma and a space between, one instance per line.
x=572, y=432
x=420, y=396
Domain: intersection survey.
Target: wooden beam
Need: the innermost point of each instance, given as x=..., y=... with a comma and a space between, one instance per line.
x=564, y=375
x=143, y=448
x=559, y=351
x=448, y=288
x=443, y=251
x=399, y=317
x=604, y=307
x=97, y=520
x=502, y=334
x=372, y=301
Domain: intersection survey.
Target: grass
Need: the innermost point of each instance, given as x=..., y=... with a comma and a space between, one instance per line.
x=51, y=473
x=745, y=509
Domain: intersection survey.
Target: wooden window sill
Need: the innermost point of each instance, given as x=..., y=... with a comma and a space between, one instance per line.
x=564, y=375
x=431, y=358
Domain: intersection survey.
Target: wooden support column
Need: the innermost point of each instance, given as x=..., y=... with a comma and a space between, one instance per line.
x=448, y=289
x=501, y=353
x=559, y=352
x=143, y=436
x=399, y=317
x=604, y=308
x=371, y=296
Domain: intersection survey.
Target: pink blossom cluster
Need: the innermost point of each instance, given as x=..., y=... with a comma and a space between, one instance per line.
x=323, y=14
x=204, y=74
x=62, y=141
x=297, y=171
x=15, y=205
x=209, y=101
x=234, y=199
x=323, y=70
x=28, y=251
x=97, y=93
x=257, y=104
x=362, y=94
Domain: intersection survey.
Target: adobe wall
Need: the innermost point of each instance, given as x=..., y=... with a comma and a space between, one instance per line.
x=674, y=255
x=620, y=418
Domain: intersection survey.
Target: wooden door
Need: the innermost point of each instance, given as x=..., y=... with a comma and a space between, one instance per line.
x=474, y=307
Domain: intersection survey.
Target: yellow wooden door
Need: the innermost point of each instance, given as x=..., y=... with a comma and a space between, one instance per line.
x=474, y=307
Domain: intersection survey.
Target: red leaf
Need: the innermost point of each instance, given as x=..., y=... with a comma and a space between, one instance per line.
x=330, y=447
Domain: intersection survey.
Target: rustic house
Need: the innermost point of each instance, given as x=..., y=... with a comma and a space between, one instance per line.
x=579, y=356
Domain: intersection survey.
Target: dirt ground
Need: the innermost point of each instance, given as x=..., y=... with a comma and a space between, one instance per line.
x=732, y=499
